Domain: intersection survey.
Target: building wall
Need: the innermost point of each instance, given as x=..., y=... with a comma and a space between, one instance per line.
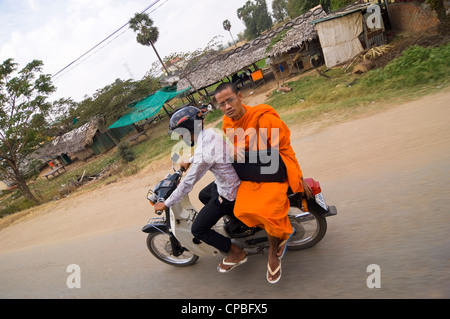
x=412, y=17
x=82, y=155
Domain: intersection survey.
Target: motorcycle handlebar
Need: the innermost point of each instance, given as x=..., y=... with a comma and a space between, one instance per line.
x=153, y=197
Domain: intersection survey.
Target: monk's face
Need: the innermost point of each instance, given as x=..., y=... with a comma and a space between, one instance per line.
x=230, y=103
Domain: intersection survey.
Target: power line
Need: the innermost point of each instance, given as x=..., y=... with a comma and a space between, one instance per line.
x=98, y=44
x=98, y=49
x=61, y=73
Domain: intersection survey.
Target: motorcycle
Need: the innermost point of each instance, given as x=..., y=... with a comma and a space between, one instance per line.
x=170, y=239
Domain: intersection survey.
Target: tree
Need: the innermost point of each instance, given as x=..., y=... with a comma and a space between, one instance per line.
x=187, y=61
x=255, y=17
x=62, y=116
x=279, y=9
x=147, y=34
x=111, y=101
x=296, y=8
x=23, y=96
x=439, y=7
x=333, y=5
x=227, y=26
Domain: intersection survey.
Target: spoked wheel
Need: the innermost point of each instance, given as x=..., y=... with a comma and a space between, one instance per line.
x=159, y=245
x=310, y=228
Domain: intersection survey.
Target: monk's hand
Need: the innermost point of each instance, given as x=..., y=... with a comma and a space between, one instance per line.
x=307, y=191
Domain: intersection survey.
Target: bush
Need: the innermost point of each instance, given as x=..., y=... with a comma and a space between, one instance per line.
x=416, y=65
x=15, y=207
x=125, y=152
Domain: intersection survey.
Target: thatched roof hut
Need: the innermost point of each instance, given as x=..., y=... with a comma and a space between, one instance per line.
x=219, y=66
x=74, y=141
x=215, y=68
x=300, y=31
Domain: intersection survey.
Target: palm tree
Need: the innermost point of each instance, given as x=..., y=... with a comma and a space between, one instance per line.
x=227, y=26
x=147, y=34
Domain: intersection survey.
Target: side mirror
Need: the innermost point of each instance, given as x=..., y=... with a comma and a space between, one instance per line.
x=175, y=157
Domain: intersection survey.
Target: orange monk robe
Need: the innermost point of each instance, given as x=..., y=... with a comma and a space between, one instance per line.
x=265, y=204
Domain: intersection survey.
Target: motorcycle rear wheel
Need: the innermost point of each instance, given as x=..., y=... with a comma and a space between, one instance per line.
x=309, y=230
x=159, y=245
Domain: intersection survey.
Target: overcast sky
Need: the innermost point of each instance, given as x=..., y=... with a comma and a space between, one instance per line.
x=59, y=32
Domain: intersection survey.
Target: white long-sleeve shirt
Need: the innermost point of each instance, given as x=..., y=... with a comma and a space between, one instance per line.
x=212, y=153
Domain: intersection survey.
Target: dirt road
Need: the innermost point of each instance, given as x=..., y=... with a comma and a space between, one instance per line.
x=388, y=174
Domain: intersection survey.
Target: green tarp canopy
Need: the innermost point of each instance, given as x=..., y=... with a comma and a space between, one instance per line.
x=147, y=107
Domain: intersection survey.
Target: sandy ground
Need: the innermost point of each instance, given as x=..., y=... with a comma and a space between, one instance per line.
x=388, y=174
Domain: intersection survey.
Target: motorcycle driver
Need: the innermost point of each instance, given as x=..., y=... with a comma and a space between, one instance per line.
x=211, y=153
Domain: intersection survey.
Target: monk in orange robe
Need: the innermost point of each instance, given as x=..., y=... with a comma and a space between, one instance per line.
x=262, y=204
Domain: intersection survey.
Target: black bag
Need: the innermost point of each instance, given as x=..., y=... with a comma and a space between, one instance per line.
x=258, y=167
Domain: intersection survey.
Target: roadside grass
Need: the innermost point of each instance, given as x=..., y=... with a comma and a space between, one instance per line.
x=335, y=98
x=417, y=72
x=13, y=203
x=52, y=189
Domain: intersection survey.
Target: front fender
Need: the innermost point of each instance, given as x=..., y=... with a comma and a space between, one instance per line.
x=155, y=225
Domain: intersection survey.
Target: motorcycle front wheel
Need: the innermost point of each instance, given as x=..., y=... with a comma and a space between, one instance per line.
x=310, y=228
x=159, y=245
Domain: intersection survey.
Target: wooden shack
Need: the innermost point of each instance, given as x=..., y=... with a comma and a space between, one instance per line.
x=345, y=33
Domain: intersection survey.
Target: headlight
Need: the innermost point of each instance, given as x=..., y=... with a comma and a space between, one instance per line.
x=151, y=196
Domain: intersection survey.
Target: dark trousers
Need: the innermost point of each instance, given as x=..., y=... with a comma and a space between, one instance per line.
x=209, y=215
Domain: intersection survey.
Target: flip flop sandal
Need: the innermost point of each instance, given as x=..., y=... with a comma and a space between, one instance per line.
x=234, y=265
x=272, y=273
x=285, y=242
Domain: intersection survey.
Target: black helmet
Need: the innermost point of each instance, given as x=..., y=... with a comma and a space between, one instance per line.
x=188, y=117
